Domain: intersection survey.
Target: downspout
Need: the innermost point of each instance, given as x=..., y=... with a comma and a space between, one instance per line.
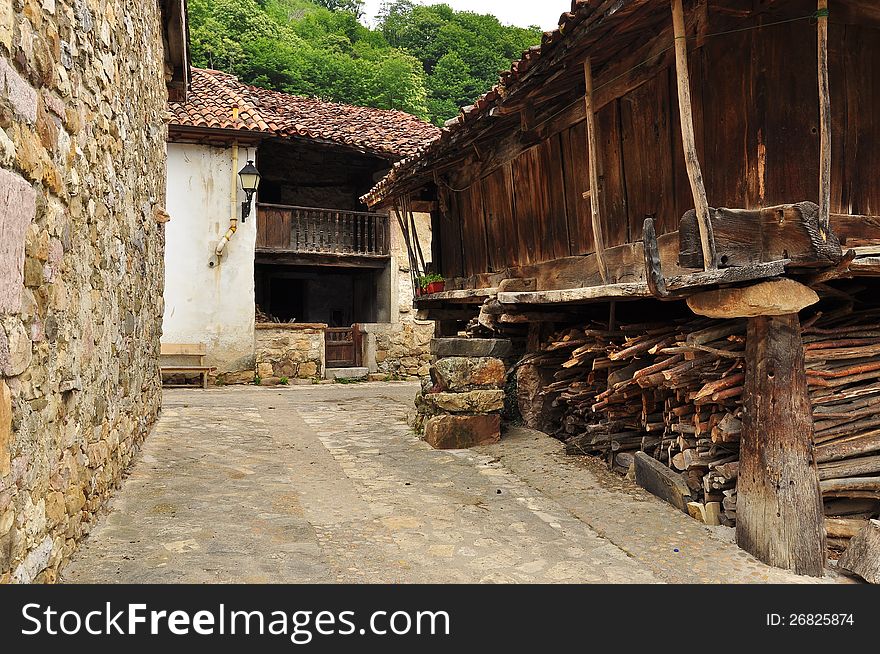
x=233, y=199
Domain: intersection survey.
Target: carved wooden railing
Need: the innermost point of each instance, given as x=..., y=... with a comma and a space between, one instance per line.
x=322, y=231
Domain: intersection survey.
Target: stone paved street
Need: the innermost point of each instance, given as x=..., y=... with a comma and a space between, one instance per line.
x=327, y=484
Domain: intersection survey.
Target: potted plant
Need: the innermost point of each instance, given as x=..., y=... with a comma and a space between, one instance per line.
x=431, y=283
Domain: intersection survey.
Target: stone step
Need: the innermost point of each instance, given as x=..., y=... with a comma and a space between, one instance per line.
x=346, y=373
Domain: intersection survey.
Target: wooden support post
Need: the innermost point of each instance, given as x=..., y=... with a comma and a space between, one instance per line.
x=824, y=120
x=653, y=271
x=779, y=516
x=695, y=174
x=593, y=153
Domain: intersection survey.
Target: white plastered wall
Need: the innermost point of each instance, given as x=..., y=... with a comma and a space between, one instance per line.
x=208, y=304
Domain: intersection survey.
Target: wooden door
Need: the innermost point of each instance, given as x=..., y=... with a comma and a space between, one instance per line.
x=343, y=346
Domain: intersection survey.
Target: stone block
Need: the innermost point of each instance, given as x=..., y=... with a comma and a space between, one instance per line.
x=20, y=94
x=465, y=373
x=471, y=347
x=307, y=370
x=7, y=21
x=775, y=297
x=5, y=429
x=470, y=402
x=15, y=348
x=346, y=373
x=461, y=432
x=17, y=210
x=265, y=370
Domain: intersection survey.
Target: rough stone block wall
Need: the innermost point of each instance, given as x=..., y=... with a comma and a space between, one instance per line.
x=460, y=406
x=82, y=175
x=294, y=351
x=403, y=350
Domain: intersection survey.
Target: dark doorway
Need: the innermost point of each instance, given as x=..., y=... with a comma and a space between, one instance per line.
x=335, y=296
x=288, y=298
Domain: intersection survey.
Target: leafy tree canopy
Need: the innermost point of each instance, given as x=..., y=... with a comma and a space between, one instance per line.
x=426, y=60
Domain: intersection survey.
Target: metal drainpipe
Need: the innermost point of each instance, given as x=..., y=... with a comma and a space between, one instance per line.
x=233, y=221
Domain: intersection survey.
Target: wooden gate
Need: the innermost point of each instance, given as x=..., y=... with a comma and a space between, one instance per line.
x=343, y=346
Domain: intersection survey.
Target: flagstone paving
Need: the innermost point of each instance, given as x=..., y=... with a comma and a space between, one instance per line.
x=327, y=483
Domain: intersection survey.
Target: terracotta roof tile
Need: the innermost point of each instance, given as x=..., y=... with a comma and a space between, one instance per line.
x=219, y=100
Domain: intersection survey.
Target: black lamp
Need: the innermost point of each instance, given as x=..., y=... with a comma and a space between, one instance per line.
x=250, y=182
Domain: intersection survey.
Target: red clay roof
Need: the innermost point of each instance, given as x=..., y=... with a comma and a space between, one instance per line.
x=219, y=100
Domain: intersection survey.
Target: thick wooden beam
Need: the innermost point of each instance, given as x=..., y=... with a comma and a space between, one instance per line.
x=862, y=557
x=593, y=153
x=779, y=517
x=695, y=174
x=824, y=119
x=747, y=236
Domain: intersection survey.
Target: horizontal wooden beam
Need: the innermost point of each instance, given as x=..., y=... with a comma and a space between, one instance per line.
x=287, y=257
x=601, y=292
x=461, y=296
x=681, y=284
x=747, y=236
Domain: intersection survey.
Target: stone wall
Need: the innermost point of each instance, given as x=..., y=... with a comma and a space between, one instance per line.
x=292, y=351
x=460, y=405
x=403, y=349
x=82, y=153
x=399, y=350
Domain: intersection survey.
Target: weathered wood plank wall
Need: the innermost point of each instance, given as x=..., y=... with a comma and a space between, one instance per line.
x=756, y=117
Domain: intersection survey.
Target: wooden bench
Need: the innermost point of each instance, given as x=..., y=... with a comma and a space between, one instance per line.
x=194, y=352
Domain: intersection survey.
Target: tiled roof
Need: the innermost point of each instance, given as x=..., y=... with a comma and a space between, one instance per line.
x=219, y=100
x=510, y=81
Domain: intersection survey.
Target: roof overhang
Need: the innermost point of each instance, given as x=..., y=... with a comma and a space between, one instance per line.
x=178, y=133
x=175, y=37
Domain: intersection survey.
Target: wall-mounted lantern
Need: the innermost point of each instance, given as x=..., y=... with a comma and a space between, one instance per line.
x=250, y=182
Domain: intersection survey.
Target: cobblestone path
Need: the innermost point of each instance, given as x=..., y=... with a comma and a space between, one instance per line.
x=327, y=484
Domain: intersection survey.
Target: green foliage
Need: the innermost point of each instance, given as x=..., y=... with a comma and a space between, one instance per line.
x=430, y=278
x=284, y=381
x=425, y=60
x=257, y=380
x=355, y=7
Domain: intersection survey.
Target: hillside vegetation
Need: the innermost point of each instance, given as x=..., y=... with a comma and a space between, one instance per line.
x=426, y=60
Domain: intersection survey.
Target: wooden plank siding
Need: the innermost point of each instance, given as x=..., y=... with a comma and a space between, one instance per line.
x=755, y=113
x=497, y=188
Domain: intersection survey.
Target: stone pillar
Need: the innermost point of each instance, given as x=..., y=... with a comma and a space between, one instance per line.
x=461, y=405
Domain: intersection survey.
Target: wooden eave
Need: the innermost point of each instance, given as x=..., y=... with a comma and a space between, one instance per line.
x=176, y=40
x=213, y=135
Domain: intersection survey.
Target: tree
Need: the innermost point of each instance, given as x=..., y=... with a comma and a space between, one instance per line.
x=426, y=60
x=355, y=7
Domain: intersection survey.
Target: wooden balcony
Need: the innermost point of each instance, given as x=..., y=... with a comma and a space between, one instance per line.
x=331, y=233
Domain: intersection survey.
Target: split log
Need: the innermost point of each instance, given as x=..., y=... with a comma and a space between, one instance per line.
x=779, y=505
x=862, y=557
x=659, y=480
x=856, y=467
x=844, y=527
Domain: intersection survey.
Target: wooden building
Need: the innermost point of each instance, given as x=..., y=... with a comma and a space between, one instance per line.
x=710, y=157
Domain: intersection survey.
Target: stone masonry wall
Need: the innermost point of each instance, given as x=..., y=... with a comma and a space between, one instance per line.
x=403, y=349
x=294, y=351
x=82, y=169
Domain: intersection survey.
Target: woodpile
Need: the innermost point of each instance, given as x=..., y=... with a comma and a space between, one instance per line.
x=673, y=390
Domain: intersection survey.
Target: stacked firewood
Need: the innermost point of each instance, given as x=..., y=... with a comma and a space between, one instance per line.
x=673, y=390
